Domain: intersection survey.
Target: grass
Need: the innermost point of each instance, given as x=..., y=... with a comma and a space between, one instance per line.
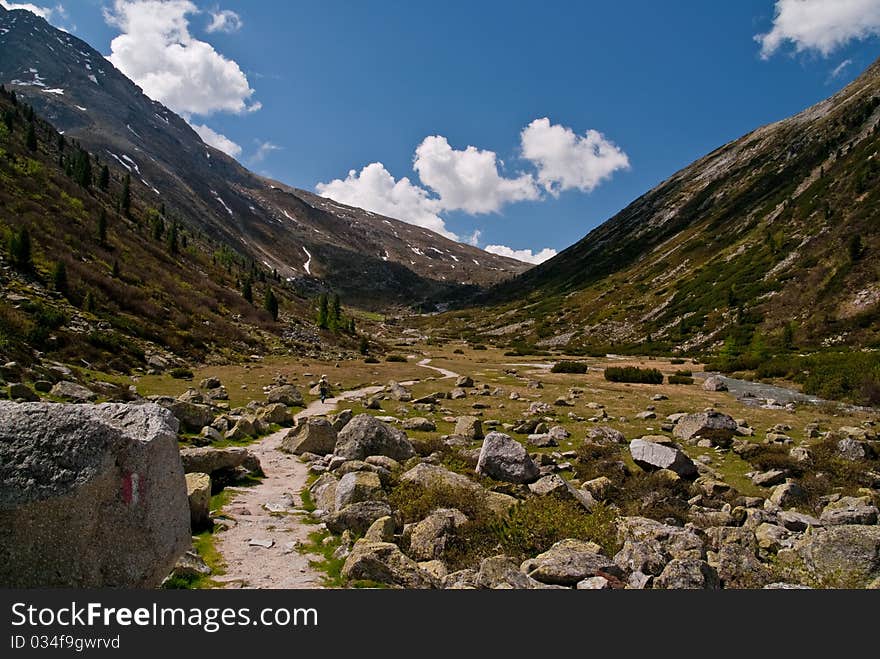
x=323, y=543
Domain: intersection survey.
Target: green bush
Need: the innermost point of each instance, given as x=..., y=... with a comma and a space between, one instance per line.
x=396, y=358
x=680, y=379
x=633, y=374
x=180, y=373
x=458, y=351
x=371, y=360
x=676, y=360
x=569, y=367
x=479, y=346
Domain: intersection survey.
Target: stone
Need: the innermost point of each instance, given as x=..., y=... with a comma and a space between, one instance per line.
x=428, y=477
x=504, y=459
x=211, y=460
x=73, y=392
x=358, y=486
x=91, y=496
x=398, y=392
x=419, y=424
x=653, y=456
x=605, y=435
x=382, y=530
x=559, y=433
x=795, y=521
x=323, y=493
x=845, y=556
x=192, y=416
x=769, y=478
x=242, y=429
x=314, y=435
x=429, y=536
x=457, y=394
x=714, y=383
x=648, y=545
x=772, y=538
x=210, y=383
x=714, y=426
x=339, y=421
x=286, y=394
x=646, y=415
x=503, y=572
x=562, y=401
x=569, y=561
x=192, y=396
x=594, y=583
x=210, y=435
x=542, y=441
x=599, y=487
x=849, y=510
x=556, y=486
x=688, y=573
x=383, y=562
x=364, y=436
x=464, y=382
x=854, y=450
x=275, y=414
x=198, y=491
x=23, y=392
x=190, y=566
x=469, y=426
x=356, y=517
x=787, y=494
x=539, y=408
x=435, y=568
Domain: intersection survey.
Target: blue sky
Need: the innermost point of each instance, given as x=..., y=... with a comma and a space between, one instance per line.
x=307, y=91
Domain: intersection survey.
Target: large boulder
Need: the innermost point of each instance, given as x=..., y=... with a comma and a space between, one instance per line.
x=837, y=557
x=358, y=486
x=714, y=383
x=716, y=427
x=356, y=517
x=286, y=394
x=428, y=538
x=73, y=392
x=419, y=424
x=469, y=426
x=428, y=477
x=209, y=460
x=653, y=456
x=323, y=493
x=688, y=573
x=504, y=459
x=384, y=563
x=18, y=391
x=198, y=491
x=365, y=435
x=91, y=496
x=192, y=416
x=315, y=435
x=568, y=562
x=275, y=413
x=849, y=510
x=398, y=392
x=649, y=545
x=556, y=486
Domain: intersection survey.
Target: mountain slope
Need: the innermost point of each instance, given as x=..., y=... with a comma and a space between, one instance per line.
x=371, y=260
x=770, y=238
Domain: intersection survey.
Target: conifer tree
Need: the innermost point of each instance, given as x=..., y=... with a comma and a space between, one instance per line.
x=270, y=303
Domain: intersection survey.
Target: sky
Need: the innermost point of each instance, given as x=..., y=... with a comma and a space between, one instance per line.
x=515, y=126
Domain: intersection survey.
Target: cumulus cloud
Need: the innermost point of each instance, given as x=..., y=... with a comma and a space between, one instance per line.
x=157, y=51
x=224, y=20
x=375, y=189
x=524, y=255
x=263, y=150
x=45, y=12
x=468, y=180
x=820, y=25
x=217, y=140
x=567, y=161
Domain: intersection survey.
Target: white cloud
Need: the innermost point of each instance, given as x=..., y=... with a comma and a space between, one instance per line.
x=468, y=180
x=524, y=255
x=375, y=189
x=157, y=51
x=225, y=20
x=474, y=238
x=45, y=12
x=820, y=25
x=263, y=150
x=567, y=161
x=839, y=69
x=218, y=141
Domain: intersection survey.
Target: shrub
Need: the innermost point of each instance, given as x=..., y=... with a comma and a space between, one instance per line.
x=396, y=358
x=569, y=367
x=633, y=374
x=415, y=502
x=479, y=346
x=458, y=351
x=371, y=360
x=680, y=379
x=180, y=373
x=676, y=360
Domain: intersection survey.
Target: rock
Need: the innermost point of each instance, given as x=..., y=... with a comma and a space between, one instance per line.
x=854, y=450
x=772, y=538
x=286, y=394
x=91, y=496
x=593, y=583
x=314, y=435
x=556, y=486
x=382, y=530
x=383, y=562
x=714, y=426
x=419, y=424
x=243, y=429
x=22, y=392
x=849, y=510
x=795, y=521
x=275, y=414
x=569, y=561
x=648, y=545
x=653, y=456
x=688, y=573
x=210, y=460
x=599, y=487
x=538, y=408
x=384, y=462
x=542, y=441
x=469, y=426
x=339, y=421
x=190, y=566
x=714, y=383
x=646, y=415
x=358, y=486
x=323, y=493
x=364, y=436
x=504, y=459
x=210, y=435
x=769, y=478
x=192, y=396
x=464, y=382
x=503, y=572
x=73, y=392
x=192, y=416
x=198, y=490
x=429, y=536
x=562, y=401
x=605, y=435
x=398, y=392
x=787, y=494
x=428, y=477
x=839, y=556
x=436, y=569
x=210, y=383
x=356, y=517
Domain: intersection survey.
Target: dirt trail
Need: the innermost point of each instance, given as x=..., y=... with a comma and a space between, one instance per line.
x=445, y=373
x=260, y=549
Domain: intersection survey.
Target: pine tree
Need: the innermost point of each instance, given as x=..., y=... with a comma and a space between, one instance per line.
x=335, y=317
x=31, y=139
x=172, y=238
x=364, y=345
x=157, y=226
x=247, y=291
x=116, y=272
x=104, y=178
x=102, y=228
x=322, y=311
x=351, y=327
x=856, y=248
x=59, y=278
x=20, y=250
x=270, y=303
x=125, y=197
x=88, y=303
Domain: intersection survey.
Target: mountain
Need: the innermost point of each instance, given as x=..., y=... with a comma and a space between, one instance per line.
x=372, y=261
x=770, y=240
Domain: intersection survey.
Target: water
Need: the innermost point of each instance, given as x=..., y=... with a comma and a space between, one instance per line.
x=755, y=393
